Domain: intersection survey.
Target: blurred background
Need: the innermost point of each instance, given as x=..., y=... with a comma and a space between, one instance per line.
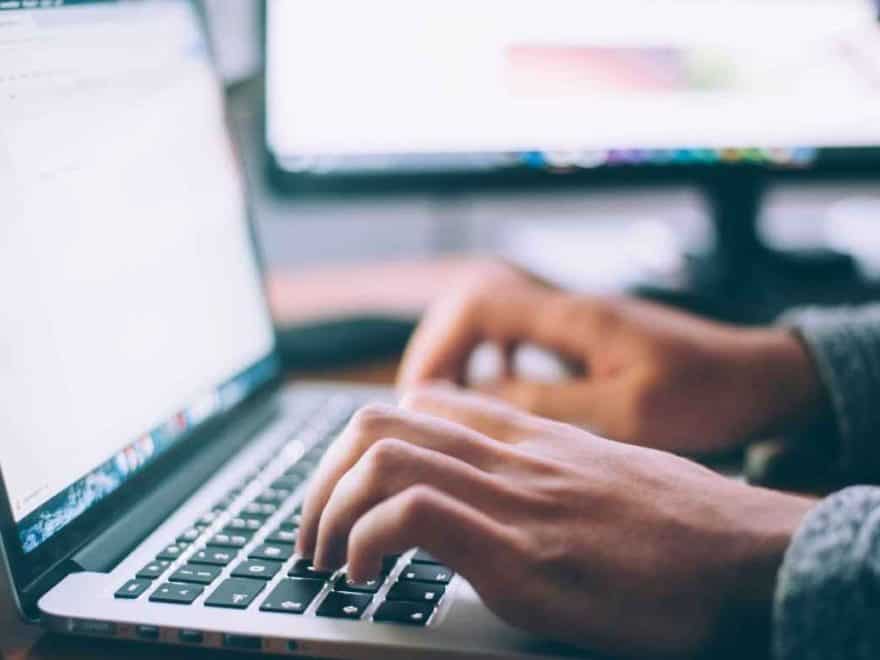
x=721, y=156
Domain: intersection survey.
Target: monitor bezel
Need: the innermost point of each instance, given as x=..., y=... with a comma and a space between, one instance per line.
x=832, y=163
x=50, y=562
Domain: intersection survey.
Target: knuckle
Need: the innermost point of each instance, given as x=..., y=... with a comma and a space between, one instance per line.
x=467, y=300
x=552, y=554
x=372, y=419
x=385, y=456
x=418, y=398
x=418, y=502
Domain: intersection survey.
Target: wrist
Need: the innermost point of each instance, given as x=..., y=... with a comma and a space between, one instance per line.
x=780, y=382
x=768, y=521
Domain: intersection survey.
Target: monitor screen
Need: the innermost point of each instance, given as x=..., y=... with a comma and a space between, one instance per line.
x=395, y=86
x=132, y=301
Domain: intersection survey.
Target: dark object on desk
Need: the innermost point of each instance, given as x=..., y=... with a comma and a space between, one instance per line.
x=744, y=280
x=343, y=341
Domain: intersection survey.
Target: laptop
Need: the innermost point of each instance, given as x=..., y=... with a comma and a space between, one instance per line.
x=153, y=459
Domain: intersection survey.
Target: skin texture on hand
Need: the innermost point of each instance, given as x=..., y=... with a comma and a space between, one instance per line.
x=616, y=548
x=647, y=374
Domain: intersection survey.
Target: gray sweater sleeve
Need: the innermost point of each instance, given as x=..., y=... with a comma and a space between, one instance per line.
x=827, y=604
x=845, y=346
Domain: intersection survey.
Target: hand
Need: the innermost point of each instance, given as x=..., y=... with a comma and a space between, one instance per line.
x=616, y=548
x=647, y=374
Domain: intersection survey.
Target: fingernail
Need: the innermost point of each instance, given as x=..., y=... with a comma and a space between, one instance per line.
x=323, y=562
x=361, y=576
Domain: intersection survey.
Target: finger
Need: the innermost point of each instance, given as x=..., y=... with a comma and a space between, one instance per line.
x=599, y=406
x=488, y=415
x=389, y=467
x=374, y=423
x=458, y=535
x=450, y=331
x=442, y=342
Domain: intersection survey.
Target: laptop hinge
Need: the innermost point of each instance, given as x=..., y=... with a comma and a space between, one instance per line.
x=110, y=547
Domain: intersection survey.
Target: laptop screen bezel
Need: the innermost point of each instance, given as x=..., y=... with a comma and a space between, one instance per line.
x=52, y=558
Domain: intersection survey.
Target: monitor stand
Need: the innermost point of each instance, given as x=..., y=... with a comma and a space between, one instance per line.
x=743, y=280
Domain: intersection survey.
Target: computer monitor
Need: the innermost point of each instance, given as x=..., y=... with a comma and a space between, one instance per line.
x=496, y=91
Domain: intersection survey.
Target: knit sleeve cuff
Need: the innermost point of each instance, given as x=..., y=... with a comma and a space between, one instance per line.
x=825, y=605
x=845, y=346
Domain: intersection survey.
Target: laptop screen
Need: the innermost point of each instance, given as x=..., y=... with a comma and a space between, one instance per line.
x=132, y=308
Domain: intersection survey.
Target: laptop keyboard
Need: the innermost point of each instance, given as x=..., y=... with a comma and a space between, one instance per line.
x=239, y=554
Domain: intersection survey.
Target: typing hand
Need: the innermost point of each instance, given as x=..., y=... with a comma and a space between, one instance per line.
x=647, y=374
x=613, y=547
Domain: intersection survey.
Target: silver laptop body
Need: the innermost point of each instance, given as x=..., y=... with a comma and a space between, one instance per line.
x=152, y=461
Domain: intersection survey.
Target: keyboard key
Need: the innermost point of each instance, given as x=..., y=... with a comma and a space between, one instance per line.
x=257, y=568
x=282, y=536
x=208, y=519
x=154, y=569
x=179, y=594
x=411, y=614
x=189, y=535
x=426, y=573
x=172, y=552
x=301, y=470
x=228, y=541
x=416, y=592
x=274, y=495
x=388, y=563
x=422, y=557
x=243, y=525
x=292, y=523
x=213, y=556
x=195, y=574
x=235, y=593
x=133, y=589
x=232, y=532
x=368, y=587
x=344, y=606
x=257, y=510
x=292, y=596
x=303, y=568
x=273, y=551
x=287, y=483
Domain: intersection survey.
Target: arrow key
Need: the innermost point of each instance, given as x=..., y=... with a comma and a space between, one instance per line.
x=179, y=594
x=411, y=614
x=426, y=573
x=341, y=605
